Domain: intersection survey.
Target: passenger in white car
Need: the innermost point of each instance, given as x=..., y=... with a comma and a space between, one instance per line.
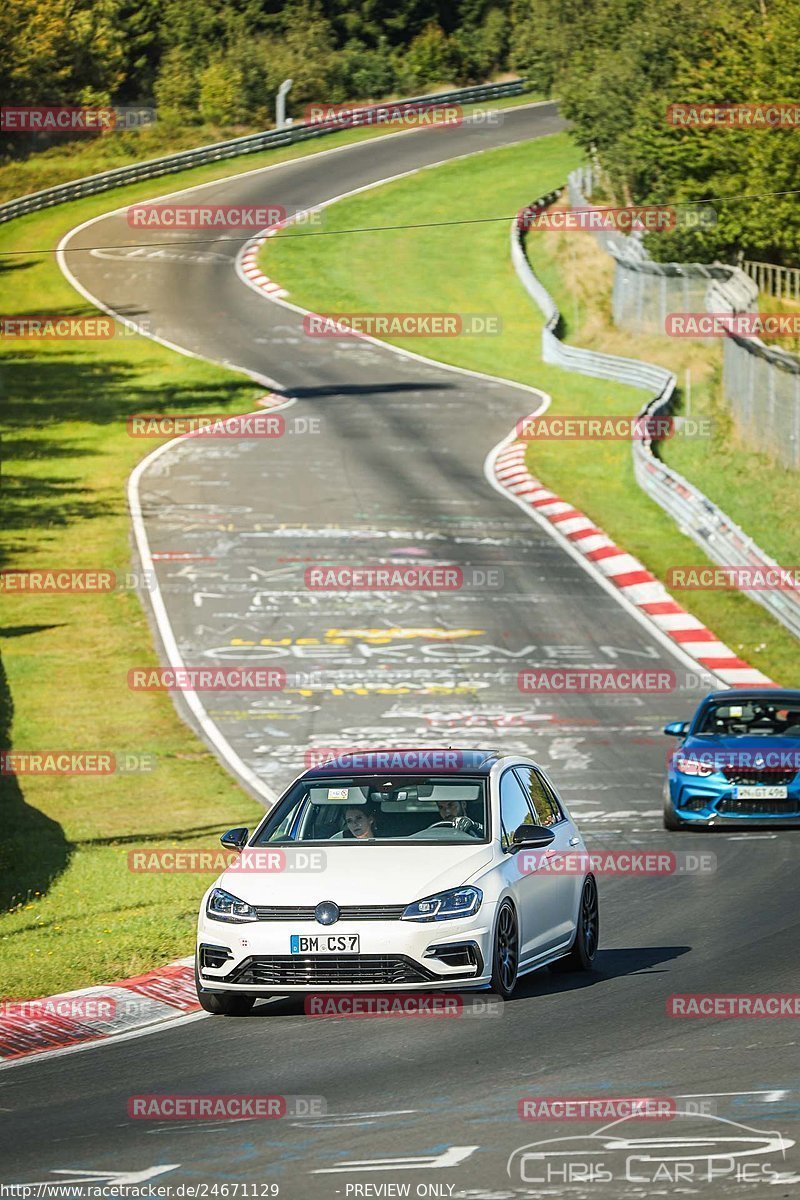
x=360, y=821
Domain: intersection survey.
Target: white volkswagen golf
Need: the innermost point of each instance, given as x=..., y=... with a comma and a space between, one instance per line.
x=397, y=870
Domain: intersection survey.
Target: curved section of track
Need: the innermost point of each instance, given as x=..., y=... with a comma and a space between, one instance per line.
x=397, y=470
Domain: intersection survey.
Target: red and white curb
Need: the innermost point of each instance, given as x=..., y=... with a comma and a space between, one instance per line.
x=624, y=571
x=95, y=1013
x=251, y=270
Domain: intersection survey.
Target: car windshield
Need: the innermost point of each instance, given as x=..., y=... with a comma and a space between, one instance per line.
x=360, y=809
x=751, y=718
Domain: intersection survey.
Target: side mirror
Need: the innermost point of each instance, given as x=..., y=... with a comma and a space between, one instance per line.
x=528, y=837
x=677, y=728
x=235, y=839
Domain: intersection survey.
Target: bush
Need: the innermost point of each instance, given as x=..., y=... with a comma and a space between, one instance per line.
x=427, y=60
x=476, y=51
x=362, y=73
x=177, y=87
x=220, y=94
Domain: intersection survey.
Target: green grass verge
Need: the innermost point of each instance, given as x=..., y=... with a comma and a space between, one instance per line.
x=76, y=915
x=350, y=273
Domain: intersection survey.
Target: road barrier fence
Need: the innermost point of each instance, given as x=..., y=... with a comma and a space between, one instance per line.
x=761, y=383
x=697, y=516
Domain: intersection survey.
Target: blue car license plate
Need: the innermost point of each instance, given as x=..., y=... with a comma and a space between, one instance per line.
x=776, y=792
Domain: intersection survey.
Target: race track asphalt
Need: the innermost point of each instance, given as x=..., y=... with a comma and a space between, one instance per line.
x=396, y=467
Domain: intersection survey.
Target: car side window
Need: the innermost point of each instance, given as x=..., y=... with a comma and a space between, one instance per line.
x=282, y=831
x=514, y=808
x=555, y=803
x=544, y=803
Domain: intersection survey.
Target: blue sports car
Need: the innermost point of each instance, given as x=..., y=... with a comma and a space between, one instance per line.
x=738, y=762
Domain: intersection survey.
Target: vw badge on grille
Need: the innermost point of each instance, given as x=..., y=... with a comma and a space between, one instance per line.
x=327, y=913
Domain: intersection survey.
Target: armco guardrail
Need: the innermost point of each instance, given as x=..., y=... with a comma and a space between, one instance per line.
x=249, y=144
x=572, y=358
x=722, y=540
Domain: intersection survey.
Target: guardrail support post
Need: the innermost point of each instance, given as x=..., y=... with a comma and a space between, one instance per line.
x=280, y=104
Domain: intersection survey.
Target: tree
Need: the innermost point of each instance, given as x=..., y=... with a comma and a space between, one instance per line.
x=220, y=92
x=477, y=50
x=177, y=87
x=60, y=52
x=427, y=59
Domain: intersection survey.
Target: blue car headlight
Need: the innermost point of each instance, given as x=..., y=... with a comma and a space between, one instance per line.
x=222, y=906
x=689, y=764
x=444, y=906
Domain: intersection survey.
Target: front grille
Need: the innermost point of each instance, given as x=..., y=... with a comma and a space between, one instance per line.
x=348, y=912
x=760, y=808
x=323, y=970
x=759, y=776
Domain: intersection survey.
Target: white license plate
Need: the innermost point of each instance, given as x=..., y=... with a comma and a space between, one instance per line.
x=325, y=943
x=760, y=793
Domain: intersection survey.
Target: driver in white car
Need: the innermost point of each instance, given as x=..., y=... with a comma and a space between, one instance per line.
x=456, y=811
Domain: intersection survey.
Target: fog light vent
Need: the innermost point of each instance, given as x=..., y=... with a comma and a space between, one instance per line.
x=214, y=957
x=461, y=954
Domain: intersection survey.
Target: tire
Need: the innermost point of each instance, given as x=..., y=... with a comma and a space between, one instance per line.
x=587, y=936
x=671, y=821
x=505, y=952
x=223, y=1004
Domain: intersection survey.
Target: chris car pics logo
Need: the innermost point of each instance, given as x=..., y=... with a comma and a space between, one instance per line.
x=695, y=1149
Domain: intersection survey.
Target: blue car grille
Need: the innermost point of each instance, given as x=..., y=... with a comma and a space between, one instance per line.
x=760, y=808
x=758, y=776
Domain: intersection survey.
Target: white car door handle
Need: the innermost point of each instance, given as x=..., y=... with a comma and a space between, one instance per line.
x=574, y=841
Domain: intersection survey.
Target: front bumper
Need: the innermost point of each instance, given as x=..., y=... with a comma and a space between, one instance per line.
x=701, y=801
x=393, y=956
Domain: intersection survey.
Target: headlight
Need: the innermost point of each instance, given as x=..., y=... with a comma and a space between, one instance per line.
x=222, y=906
x=693, y=766
x=444, y=906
